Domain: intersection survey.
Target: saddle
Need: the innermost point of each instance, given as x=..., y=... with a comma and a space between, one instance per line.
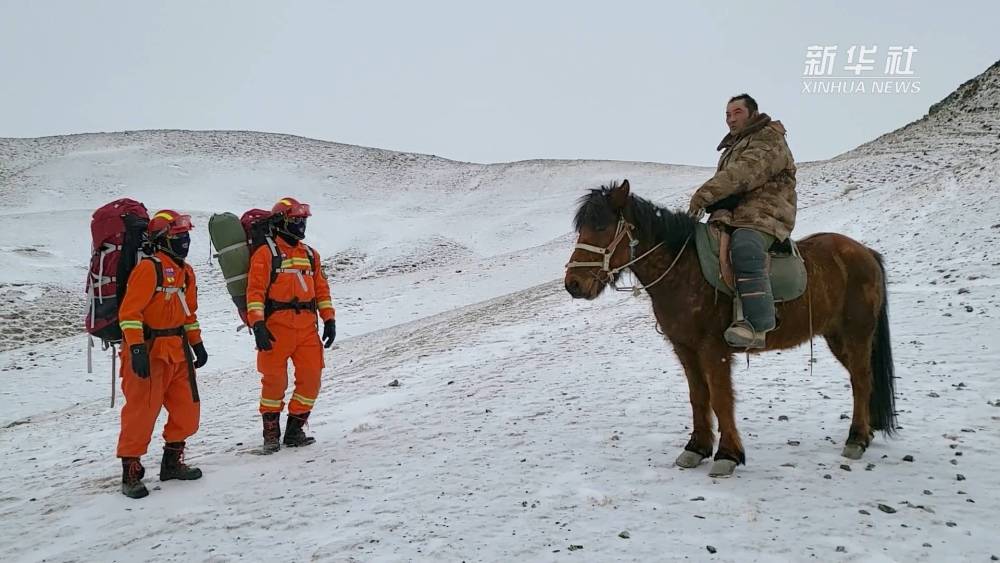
x=785, y=264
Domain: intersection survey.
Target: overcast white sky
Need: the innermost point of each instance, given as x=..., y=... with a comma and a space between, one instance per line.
x=507, y=80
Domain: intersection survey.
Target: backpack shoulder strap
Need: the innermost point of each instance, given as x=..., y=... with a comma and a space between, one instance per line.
x=312, y=257
x=169, y=291
x=158, y=267
x=276, y=257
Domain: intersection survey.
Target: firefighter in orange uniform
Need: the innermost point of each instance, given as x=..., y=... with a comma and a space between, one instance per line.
x=158, y=321
x=286, y=288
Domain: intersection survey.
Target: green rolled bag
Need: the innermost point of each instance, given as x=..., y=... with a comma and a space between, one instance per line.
x=233, y=254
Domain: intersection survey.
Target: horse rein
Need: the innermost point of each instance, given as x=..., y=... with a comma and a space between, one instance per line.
x=623, y=230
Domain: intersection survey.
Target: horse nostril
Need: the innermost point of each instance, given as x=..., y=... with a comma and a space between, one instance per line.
x=573, y=287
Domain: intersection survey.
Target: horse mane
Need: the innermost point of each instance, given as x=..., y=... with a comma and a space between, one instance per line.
x=654, y=224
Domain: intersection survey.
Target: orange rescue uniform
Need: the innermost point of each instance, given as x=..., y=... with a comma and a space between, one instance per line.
x=149, y=306
x=299, y=280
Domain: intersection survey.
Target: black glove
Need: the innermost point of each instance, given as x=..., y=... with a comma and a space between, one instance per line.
x=728, y=203
x=329, y=333
x=140, y=360
x=200, y=355
x=263, y=336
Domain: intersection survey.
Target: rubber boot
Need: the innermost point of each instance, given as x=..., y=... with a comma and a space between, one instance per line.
x=173, y=467
x=132, y=474
x=753, y=286
x=744, y=333
x=294, y=436
x=272, y=431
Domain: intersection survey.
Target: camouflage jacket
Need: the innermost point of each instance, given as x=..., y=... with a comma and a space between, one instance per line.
x=754, y=184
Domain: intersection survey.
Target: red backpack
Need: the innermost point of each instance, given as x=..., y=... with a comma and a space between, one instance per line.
x=255, y=228
x=118, y=232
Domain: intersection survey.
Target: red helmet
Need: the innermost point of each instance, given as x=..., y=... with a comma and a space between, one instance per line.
x=169, y=222
x=290, y=207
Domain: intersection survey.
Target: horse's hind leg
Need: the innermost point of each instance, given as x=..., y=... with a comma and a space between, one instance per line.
x=702, y=439
x=855, y=353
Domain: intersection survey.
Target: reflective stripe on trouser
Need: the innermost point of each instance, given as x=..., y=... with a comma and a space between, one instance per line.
x=304, y=349
x=167, y=386
x=748, y=252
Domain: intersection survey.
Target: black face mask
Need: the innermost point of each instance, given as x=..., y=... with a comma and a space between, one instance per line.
x=177, y=245
x=294, y=228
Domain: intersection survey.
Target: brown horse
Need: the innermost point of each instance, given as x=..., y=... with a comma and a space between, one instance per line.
x=845, y=302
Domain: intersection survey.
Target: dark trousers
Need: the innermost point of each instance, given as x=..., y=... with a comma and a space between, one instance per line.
x=748, y=252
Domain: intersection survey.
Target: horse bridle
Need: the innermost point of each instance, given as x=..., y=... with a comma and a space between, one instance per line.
x=623, y=230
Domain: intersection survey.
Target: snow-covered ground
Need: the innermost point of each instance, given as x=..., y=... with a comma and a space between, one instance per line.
x=526, y=425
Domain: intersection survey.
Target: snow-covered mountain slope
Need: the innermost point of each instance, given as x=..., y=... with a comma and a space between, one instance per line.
x=524, y=422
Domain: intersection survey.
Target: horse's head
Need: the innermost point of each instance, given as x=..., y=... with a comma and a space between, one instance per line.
x=605, y=244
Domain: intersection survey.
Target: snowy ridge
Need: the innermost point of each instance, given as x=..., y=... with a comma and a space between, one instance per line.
x=524, y=422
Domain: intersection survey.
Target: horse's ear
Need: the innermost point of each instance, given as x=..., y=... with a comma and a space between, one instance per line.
x=619, y=195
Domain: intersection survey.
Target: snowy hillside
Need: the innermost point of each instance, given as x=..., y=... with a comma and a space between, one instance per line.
x=526, y=425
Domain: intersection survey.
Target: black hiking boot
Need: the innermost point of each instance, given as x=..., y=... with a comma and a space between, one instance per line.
x=294, y=436
x=272, y=432
x=132, y=474
x=173, y=466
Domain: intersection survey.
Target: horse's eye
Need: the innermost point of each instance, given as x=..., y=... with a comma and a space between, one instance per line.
x=601, y=229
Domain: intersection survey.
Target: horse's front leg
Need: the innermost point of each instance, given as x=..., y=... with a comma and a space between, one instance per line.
x=718, y=370
x=702, y=439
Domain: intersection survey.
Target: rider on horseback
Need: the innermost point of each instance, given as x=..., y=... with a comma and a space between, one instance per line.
x=753, y=194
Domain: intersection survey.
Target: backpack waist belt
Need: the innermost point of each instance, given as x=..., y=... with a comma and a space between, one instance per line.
x=151, y=333
x=271, y=306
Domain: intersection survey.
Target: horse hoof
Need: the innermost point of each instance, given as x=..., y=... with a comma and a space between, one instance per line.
x=689, y=459
x=853, y=451
x=722, y=468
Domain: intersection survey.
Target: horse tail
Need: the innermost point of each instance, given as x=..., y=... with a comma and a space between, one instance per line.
x=882, y=405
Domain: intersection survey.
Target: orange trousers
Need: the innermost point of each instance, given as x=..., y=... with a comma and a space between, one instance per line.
x=303, y=347
x=167, y=386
